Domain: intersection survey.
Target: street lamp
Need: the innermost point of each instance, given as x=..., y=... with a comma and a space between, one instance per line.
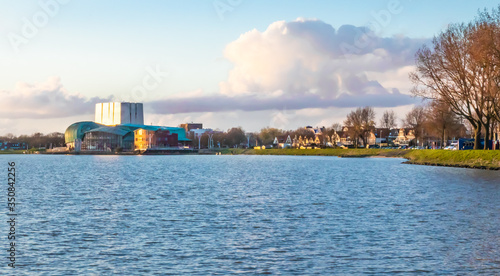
x=210, y=141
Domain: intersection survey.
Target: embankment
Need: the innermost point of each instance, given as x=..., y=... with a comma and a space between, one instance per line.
x=477, y=159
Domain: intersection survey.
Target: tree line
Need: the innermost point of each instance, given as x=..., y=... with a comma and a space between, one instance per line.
x=236, y=137
x=430, y=121
x=36, y=140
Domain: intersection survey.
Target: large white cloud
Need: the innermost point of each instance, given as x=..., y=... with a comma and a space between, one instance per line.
x=310, y=56
x=308, y=64
x=48, y=99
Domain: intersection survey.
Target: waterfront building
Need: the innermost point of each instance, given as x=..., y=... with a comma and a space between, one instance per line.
x=404, y=137
x=74, y=133
x=154, y=138
x=108, y=139
x=381, y=135
x=335, y=138
x=345, y=138
x=283, y=142
x=316, y=130
x=112, y=131
x=89, y=136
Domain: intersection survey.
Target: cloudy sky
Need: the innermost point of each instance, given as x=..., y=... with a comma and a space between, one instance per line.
x=223, y=63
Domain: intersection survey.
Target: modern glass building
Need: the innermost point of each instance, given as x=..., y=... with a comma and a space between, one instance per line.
x=90, y=136
x=119, y=127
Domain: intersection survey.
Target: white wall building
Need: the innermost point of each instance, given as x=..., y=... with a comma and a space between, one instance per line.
x=200, y=131
x=118, y=113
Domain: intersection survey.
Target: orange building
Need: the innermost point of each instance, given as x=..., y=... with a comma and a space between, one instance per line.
x=154, y=139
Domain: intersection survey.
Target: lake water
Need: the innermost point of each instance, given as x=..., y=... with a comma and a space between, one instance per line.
x=201, y=215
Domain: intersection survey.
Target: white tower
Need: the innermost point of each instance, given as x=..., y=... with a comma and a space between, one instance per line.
x=118, y=113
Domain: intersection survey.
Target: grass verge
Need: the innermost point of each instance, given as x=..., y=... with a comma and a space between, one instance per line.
x=20, y=151
x=11, y=151
x=478, y=159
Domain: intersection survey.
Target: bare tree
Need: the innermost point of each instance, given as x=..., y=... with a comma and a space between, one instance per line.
x=360, y=123
x=415, y=119
x=267, y=135
x=302, y=131
x=388, y=120
x=485, y=49
x=461, y=69
x=444, y=73
x=337, y=127
x=235, y=136
x=368, y=120
x=486, y=52
x=441, y=121
x=354, y=126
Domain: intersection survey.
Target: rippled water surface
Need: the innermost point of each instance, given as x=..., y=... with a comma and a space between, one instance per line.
x=200, y=215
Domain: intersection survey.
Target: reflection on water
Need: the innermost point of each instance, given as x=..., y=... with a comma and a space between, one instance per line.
x=137, y=215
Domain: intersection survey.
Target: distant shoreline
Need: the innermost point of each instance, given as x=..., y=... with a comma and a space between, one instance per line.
x=472, y=159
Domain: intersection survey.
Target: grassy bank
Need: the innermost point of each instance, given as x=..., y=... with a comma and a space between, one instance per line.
x=478, y=159
x=12, y=151
x=467, y=159
x=30, y=151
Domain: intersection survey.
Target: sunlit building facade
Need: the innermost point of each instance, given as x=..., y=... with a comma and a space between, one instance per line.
x=118, y=113
x=151, y=138
x=113, y=132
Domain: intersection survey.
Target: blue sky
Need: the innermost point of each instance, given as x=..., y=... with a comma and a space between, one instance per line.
x=86, y=51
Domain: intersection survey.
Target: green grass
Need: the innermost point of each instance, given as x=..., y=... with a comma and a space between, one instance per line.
x=19, y=151
x=483, y=159
x=467, y=159
x=11, y=151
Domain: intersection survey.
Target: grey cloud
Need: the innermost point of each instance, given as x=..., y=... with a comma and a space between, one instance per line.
x=223, y=103
x=45, y=100
x=324, y=37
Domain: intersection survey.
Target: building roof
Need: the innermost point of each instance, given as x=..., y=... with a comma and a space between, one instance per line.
x=112, y=130
x=77, y=130
x=181, y=133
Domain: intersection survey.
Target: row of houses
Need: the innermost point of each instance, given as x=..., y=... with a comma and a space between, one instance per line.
x=378, y=136
x=13, y=146
x=320, y=138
